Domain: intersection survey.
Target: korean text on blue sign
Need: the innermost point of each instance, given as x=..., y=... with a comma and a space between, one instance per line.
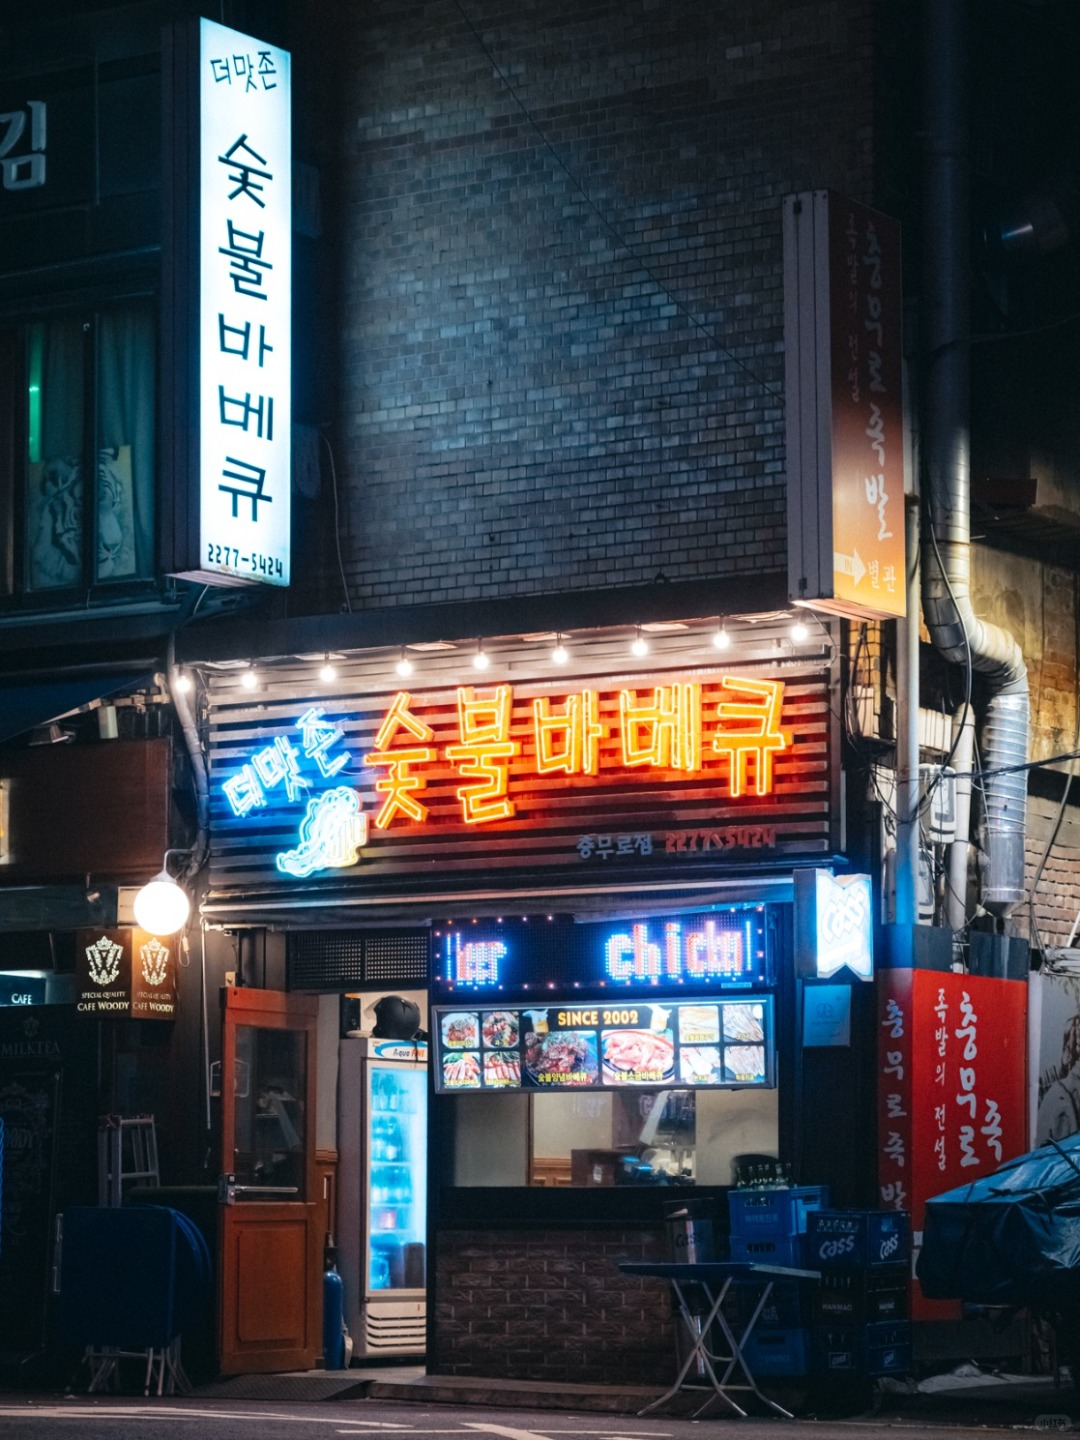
x=245, y=267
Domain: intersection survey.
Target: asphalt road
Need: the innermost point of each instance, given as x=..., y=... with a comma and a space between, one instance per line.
x=104, y=1418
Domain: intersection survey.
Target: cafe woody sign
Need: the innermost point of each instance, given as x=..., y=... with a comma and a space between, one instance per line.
x=126, y=973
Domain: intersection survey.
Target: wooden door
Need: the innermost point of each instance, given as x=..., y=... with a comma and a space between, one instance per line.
x=270, y=1315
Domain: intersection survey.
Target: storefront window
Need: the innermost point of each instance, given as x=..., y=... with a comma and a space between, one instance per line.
x=670, y=1137
x=78, y=491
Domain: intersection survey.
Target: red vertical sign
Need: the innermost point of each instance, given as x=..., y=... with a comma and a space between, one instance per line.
x=951, y=1088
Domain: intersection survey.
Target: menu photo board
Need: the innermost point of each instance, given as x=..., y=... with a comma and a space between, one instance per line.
x=606, y=1046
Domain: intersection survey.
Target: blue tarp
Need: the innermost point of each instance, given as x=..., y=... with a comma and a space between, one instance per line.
x=24, y=706
x=1009, y=1238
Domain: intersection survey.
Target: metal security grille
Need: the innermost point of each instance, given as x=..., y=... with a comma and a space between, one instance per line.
x=345, y=959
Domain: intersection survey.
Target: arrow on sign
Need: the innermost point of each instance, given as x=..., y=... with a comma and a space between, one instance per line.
x=849, y=565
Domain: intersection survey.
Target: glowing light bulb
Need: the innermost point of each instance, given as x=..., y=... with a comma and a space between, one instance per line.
x=249, y=679
x=560, y=655
x=480, y=660
x=404, y=666
x=183, y=682
x=327, y=673
x=800, y=632
x=721, y=639
x=161, y=906
x=640, y=646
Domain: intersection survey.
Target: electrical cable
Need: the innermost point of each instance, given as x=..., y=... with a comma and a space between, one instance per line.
x=608, y=226
x=337, y=523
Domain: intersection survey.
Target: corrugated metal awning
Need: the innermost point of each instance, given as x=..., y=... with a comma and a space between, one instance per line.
x=317, y=909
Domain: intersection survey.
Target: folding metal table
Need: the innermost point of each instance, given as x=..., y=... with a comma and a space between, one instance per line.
x=716, y=1279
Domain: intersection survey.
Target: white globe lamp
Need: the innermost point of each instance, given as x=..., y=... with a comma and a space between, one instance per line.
x=161, y=906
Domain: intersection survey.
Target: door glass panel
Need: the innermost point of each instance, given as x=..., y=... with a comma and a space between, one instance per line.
x=268, y=1108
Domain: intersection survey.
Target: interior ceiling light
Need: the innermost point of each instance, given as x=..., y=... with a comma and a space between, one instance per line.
x=721, y=639
x=249, y=679
x=404, y=666
x=480, y=659
x=327, y=673
x=560, y=654
x=641, y=645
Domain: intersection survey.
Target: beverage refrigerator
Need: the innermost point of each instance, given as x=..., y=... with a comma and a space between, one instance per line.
x=382, y=1193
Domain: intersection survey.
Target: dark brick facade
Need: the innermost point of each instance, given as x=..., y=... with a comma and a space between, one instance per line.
x=560, y=332
x=550, y=1305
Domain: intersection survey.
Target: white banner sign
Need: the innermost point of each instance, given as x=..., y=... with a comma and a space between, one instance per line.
x=245, y=265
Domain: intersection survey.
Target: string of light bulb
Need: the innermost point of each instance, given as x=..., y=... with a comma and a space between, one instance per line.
x=720, y=637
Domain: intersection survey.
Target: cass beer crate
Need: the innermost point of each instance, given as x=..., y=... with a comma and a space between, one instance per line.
x=856, y=1239
x=861, y=1297
x=785, y=1251
x=778, y=1352
x=774, y=1214
x=882, y=1349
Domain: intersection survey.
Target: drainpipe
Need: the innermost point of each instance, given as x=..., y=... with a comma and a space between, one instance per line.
x=956, y=631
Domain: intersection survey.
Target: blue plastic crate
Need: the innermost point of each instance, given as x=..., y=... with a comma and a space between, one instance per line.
x=766, y=1251
x=778, y=1352
x=774, y=1214
x=883, y=1349
x=856, y=1239
x=789, y=1306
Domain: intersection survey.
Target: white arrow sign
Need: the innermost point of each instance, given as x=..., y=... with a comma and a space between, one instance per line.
x=849, y=565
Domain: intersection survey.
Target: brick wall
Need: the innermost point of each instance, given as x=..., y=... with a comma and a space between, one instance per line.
x=551, y=1305
x=1057, y=900
x=560, y=333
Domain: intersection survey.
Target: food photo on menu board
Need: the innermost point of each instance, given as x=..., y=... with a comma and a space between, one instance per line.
x=605, y=1045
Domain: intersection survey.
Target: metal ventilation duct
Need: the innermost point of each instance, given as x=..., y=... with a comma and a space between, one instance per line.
x=954, y=628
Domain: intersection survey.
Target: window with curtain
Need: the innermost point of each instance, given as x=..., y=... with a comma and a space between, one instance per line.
x=80, y=505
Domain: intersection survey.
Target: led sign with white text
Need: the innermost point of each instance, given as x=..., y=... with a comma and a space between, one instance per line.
x=728, y=948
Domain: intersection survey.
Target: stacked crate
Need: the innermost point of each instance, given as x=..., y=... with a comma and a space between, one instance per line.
x=768, y=1227
x=860, y=1324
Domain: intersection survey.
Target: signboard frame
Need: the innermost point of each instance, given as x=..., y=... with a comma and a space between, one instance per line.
x=622, y=825
x=845, y=432
x=226, y=309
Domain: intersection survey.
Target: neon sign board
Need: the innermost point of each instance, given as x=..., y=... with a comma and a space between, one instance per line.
x=245, y=286
x=699, y=1043
x=729, y=948
x=489, y=759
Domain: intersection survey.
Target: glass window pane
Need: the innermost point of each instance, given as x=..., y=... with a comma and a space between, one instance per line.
x=126, y=352
x=54, y=451
x=268, y=1110
x=9, y=372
